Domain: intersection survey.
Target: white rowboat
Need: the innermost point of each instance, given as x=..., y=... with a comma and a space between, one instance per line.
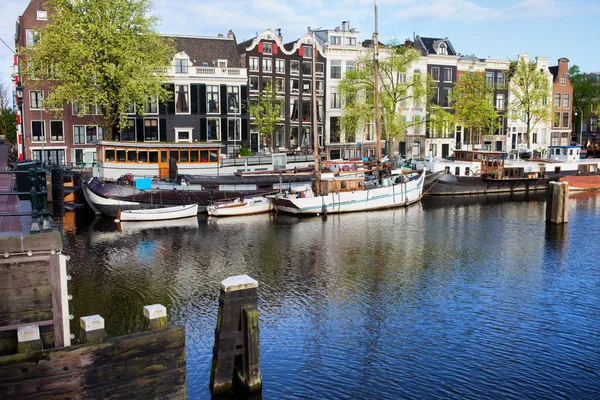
x=158, y=214
x=247, y=206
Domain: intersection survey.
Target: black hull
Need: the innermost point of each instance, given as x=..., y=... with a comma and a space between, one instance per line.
x=470, y=185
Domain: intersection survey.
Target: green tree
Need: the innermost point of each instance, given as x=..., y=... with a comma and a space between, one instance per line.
x=530, y=88
x=397, y=91
x=8, y=116
x=103, y=53
x=266, y=112
x=586, y=94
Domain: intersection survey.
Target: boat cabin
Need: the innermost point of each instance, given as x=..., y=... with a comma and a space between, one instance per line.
x=345, y=184
x=492, y=162
x=152, y=159
x=564, y=153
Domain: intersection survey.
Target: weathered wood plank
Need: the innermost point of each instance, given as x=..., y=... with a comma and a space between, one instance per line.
x=14, y=300
x=60, y=306
x=23, y=263
x=25, y=317
x=24, y=275
x=167, y=384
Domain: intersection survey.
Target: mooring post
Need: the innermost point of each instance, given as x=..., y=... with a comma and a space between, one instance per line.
x=91, y=329
x=156, y=317
x=29, y=339
x=236, y=349
x=557, y=208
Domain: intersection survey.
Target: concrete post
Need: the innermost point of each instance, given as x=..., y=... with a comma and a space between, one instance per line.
x=29, y=339
x=236, y=346
x=557, y=208
x=91, y=329
x=156, y=317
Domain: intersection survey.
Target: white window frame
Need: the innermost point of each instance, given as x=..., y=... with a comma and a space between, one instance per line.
x=292, y=71
x=42, y=15
x=566, y=100
x=280, y=88
x=443, y=49
x=134, y=131
x=32, y=37
x=335, y=40
x=250, y=78
x=350, y=41
x=157, y=130
x=177, y=130
x=269, y=46
x=189, y=111
x=500, y=104
x=563, y=81
x=152, y=98
x=218, y=92
x=221, y=63
x=297, y=89
x=235, y=90
x=63, y=130
x=40, y=102
x=84, y=135
x=278, y=63
x=179, y=65
x=267, y=64
x=218, y=121
x=444, y=77
x=239, y=130
x=253, y=64
x=43, y=130
x=438, y=74
x=320, y=66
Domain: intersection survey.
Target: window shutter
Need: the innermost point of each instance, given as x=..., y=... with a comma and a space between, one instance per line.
x=245, y=130
x=202, y=99
x=162, y=130
x=203, y=130
x=224, y=109
x=194, y=98
x=301, y=51
x=260, y=47
x=224, y=128
x=244, y=99
x=139, y=127
x=275, y=48
x=171, y=103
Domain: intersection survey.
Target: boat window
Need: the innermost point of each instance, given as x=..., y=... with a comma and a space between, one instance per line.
x=214, y=157
x=131, y=156
x=344, y=184
x=360, y=183
x=592, y=168
x=183, y=156
x=194, y=156
x=467, y=171
x=142, y=156
x=163, y=156
x=203, y=155
x=557, y=170
x=109, y=155
x=457, y=171
x=153, y=156
x=121, y=156
x=570, y=152
x=173, y=154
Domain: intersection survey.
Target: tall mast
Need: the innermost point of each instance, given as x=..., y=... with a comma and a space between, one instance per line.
x=376, y=86
x=314, y=113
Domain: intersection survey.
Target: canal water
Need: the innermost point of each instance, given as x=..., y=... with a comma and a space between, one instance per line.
x=446, y=299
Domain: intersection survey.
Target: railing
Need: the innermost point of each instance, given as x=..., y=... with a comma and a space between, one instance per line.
x=258, y=160
x=217, y=71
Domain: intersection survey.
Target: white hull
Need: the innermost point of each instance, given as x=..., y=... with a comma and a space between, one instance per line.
x=159, y=214
x=250, y=207
x=397, y=195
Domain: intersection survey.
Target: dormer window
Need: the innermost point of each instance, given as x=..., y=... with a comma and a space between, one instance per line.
x=443, y=49
x=42, y=15
x=181, y=66
x=222, y=63
x=563, y=81
x=267, y=48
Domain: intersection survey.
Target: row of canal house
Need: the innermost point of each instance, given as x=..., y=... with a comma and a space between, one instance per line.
x=214, y=78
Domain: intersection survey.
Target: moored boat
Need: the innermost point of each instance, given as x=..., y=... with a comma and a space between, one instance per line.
x=240, y=207
x=158, y=214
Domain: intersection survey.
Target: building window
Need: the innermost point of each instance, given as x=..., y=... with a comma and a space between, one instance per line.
x=293, y=137
x=214, y=131
x=350, y=41
x=443, y=49
x=335, y=40
x=447, y=75
x=294, y=86
x=557, y=120
x=33, y=37
x=151, y=129
x=336, y=100
x=183, y=134
x=435, y=98
x=557, y=100
x=151, y=104
x=91, y=134
x=435, y=74
x=563, y=81
x=534, y=139
x=402, y=78
x=254, y=83
x=233, y=99
x=280, y=137
x=294, y=110
x=212, y=99
x=336, y=69
x=181, y=66
x=267, y=48
x=280, y=66
x=42, y=15
x=447, y=96
x=307, y=51
x=500, y=101
x=222, y=63
x=267, y=65
x=489, y=79
x=566, y=100
x=36, y=99
x=320, y=87
x=565, y=120
x=350, y=66
x=79, y=134
x=320, y=69
x=51, y=156
x=295, y=67
x=234, y=132
x=182, y=99
x=500, y=126
x=128, y=133
x=37, y=131
x=500, y=80
x=266, y=82
x=306, y=110
x=253, y=64
x=306, y=87
x=306, y=138
x=306, y=68
x=280, y=85
x=56, y=131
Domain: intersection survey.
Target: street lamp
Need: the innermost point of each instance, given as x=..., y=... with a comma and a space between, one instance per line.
x=580, y=122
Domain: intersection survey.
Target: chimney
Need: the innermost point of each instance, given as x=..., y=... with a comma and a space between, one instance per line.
x=345, y=26
x=279, y=34
x=408, y=43
x=231, y=35
x=220, y=35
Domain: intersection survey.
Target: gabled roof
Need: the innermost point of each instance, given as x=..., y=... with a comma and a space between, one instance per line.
x=370, y=43
x=554, y=72
x=431, y=45
x=208, y=50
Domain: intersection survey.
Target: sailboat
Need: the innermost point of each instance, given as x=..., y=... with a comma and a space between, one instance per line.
x=351, y=192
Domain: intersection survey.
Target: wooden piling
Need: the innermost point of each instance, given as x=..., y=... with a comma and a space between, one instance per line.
x=557, y=197
x=155, y=317
x=28, y=338
x=91, y=329
x=236, y=349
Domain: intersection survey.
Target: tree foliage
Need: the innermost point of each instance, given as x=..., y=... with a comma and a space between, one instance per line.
x=473, y=104
x=8, y=116
x=398, y=90
x=104, y=53
x=266, y=112
x=586, y=93
x=530, y=88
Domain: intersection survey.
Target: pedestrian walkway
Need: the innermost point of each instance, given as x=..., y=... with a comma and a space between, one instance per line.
x=8, y=203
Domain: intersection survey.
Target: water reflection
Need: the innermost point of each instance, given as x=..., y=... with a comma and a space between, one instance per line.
x=460, y=299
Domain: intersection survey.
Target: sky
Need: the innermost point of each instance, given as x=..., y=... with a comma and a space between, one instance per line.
x=499, y=29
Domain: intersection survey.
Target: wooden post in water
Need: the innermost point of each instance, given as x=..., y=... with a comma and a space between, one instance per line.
x=236, y=349
x=557, y=197
x=29, y=339
x=156, y=317
x=91, y=329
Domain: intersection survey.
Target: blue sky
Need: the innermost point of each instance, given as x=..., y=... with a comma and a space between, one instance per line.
x=500, y=29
